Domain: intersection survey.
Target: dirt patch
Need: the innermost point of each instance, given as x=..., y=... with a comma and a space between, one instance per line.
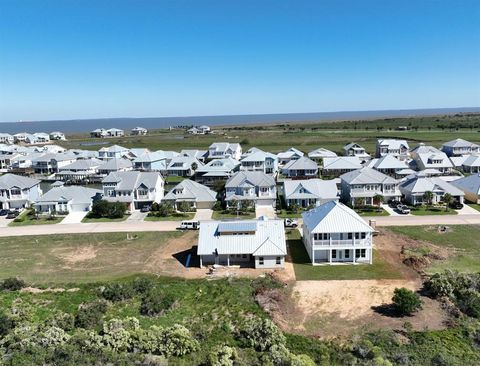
x=34, y=290
x=79, y=255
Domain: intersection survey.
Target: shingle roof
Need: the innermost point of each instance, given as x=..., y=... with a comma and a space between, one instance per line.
x=116, y=164
x=387, y=162
x=468, y=184
x=219, y=165
x=334, y=217
x=342, y=162
x=301, y=164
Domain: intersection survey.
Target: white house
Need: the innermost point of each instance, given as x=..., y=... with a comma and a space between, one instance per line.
x=396, y=148
x=24, y=137
x=136, y=189
x=150, y=161
x=217, y=170
x=414, y=188
x=309, y=192
x=115, y=132
x=338, y=165
x=259, y=161
x=222, y=150
x=66, y=199
x=99, y=132
x=41, y=137
x=139, y=131
x=258, y=243
x=115, y=165
x=253, y=187
x=433, y=160
x=459, y=147
x=113, y=152
x=57, y=135
x=319, y=154
x=291, y=154
x=6, y=138
x=302, y=167
x=51, y=163
x=17, y=191
x=366, y=183
x=79, y=170
x=334, y=233
x=183, y=166
x=195, y=194
x=354, y=149
x=389, y=165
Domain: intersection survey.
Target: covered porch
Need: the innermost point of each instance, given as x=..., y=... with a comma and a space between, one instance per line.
x=342, y=256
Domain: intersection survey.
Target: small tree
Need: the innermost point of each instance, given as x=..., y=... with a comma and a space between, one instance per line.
x=194, y=167
x=378, y=199
x=406, y=301
x=165, y=209
x=428, y=198
x=447, y=199
x=184, y=206
x=359, y=202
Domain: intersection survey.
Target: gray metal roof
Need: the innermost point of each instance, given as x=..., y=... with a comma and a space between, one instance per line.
x=128, y=181
x=321, y=153
x=460, y=143
x=342, y=162
x=237, y=226
x=302, y=163
x=191, y=190
x=257, y=179
x=8, y=181
x=310, y=188
x=268, y=239
x=387, y=162
x=219, y=165
x=468, y=184
x=367, y=175
x=421, y=184
x=116, y=164
x=73, y=194
x=334, y=217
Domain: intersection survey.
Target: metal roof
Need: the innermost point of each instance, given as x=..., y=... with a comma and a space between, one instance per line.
x=367, y=175
x=310, y=188
x=237, y=227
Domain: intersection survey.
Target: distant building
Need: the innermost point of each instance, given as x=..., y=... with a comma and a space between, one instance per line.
x=57, y=135
x=354, y=149
x=459, y=147
x=115, y=132
x=396, y=148
x=67, y=199
x=6, y=138
x=139, y=131
x=98, y=132
x=17, y=191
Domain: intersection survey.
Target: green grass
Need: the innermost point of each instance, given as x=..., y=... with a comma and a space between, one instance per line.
x=30, y=220
x=86, y=220
x=462, y=240
x=221, y=215
x=424, y=211
x=79, y=257
x=305, y=271
x=476, y=206
x=284, y=214
x=174, y=179
x=372, y=213
x=175, y=217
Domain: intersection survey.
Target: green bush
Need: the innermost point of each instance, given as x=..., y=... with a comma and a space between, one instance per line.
x=117, y=292
x=19, y=219
x=156, y=303
x=6, y=324
x=104, y=208
x=90, y=315
x=222, y=356
x=260, y=334
x=165, y=209
x=143, y=285
x=406, y=301
x=12, y=284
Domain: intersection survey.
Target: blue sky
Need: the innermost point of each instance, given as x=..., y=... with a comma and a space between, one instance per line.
x=90, y=59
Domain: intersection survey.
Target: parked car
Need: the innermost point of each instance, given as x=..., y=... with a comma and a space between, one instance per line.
x=403, y=209
x=189, y=225
x=3, y=212
x=290, y=223
x=456, y=205
x=12, y=214
x=146, y=209
x=393, y=203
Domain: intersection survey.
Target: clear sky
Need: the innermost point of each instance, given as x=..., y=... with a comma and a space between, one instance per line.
x=87, y=59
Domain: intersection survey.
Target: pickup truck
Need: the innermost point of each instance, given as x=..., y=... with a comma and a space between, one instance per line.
x=290, y=223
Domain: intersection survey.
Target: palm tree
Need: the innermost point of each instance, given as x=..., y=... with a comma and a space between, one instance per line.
x=428, y=198
x=447, y=199
x=378, y=199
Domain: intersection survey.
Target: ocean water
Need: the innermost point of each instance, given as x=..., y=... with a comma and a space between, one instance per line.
x=86, y=125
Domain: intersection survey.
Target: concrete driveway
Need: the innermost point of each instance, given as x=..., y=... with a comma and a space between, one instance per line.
x=137, y=216
x=74, y=217
x=4, y=222
x=267, y=211
x=467, y=210
x=203, y=214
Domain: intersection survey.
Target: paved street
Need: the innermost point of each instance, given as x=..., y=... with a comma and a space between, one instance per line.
x=411, y=220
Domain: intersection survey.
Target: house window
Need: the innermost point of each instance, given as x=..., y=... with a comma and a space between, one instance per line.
x=360, y=253
x=364, y=235
x=334, y=254
x=357, y=235
x=347, y=253
x=350, y=236
x=260, y=261
x=279, y=260
x=15, y=192
x=325, y=236
x=244, y=256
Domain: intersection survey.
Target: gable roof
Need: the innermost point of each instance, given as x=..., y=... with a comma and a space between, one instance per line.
x=334, y=217
x=420, y=184
x=321, y=153
x=342, y=162
x=75, y=194
x=116, y=164
x=314, y=188
x=219, y=165
x=468, y=184
x=133, y=179
x=257, y=179
x=367, y=175
x=387, y=162
x=191, y=191
x=393, y=143
x=8, y=181
x=459, y=143
x=301, y=164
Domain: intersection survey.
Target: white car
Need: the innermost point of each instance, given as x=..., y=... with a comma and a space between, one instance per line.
x=290, y=223
x=189, y=225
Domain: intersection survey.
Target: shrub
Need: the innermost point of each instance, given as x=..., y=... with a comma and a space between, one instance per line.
x=104, y=208
x=6, y=324
x=222, y=356
x=90, y=315
x=117, y=292
x=12, y=284
x=177, y=341
x=406, y=301
x=143, y=285
x=61, y=320
x=184, y=207
x=260, y=334
x=156, y=303
x=165, y=209
x=19, y=219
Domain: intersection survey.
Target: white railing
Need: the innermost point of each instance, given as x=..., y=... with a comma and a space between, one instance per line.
x=332, y=242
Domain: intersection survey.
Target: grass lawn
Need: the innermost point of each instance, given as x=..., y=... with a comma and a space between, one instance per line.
x=79, y=257
x=284, y=214
x=304, y=270
x=220, y=215
x=103, y=219
x=463, y=240
x=174, y=179
x=423, y=211
x=372, y=213
x=30, y=220
x=175, y=217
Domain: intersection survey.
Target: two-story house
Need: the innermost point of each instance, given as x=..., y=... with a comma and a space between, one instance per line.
x=354, y=149
x=6, y=138
x=286, y=156
x=51, y=163
x=79, y=170
x=365, y=184
x=135, y=189
x=309, y=192
x=301, y=168
x=67, y=199
x=396, y=148
x=335, y=166
x=256, y=188
x=115, y=132
x=150, y=161
x=222, y=150
x=183, y=166
x=259, y=161
x=334, y=233
x=17, y=191
x=319, y=154
x=437, y=161
x=139, y=131
x=57, y=135
x=113, y=152
x=217, y=170
x=460, y=147
x=389, y=165
x=195, y=194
